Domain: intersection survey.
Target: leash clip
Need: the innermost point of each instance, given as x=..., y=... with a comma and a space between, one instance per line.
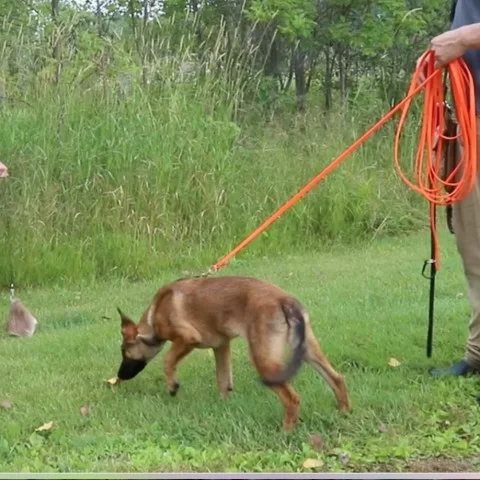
x=211, y=271
x=431, y=261
x=448, y=106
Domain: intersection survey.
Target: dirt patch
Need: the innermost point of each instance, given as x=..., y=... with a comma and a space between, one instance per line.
x=424, y=465
x=443, y=465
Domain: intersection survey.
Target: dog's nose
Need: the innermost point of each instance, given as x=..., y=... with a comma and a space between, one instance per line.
x=130, y=368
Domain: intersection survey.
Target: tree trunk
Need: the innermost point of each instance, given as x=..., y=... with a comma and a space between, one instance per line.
x=300, y=79
x=288, y=83
x=136, y=36
x=311, y=70
x=56, y=52
x=327, y=84
x=272, y=65
x=343, y=66
x=99, y=18
x=145, y=44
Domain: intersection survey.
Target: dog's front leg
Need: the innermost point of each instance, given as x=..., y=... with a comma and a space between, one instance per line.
x=223, y=363
x=178, y=351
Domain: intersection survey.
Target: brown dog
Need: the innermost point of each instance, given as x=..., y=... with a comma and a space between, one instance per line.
x=209, y=313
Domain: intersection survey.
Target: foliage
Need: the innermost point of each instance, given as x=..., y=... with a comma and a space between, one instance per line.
x=144, y=129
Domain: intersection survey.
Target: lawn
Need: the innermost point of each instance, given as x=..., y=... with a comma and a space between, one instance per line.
x=368, y=304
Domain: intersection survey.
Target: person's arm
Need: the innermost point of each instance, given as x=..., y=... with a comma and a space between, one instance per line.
x=471, y=34
x=453, y=44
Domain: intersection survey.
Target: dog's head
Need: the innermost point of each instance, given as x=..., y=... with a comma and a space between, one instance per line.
x=137, y=349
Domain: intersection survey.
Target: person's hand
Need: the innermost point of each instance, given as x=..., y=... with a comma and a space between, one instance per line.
x=448, y=46
x=3, y=170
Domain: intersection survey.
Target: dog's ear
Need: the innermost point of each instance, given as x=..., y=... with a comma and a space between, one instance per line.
x=125, y=318
x=129, y=329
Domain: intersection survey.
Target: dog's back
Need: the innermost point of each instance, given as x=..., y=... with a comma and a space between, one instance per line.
x=221, y=307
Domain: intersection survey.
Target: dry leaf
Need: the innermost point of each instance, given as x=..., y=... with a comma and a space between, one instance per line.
x=393, y=362
x=45, y=427
x=6, y=404
x=85, y=410
x=312, y=463
x=316, y=442
x=113, y=381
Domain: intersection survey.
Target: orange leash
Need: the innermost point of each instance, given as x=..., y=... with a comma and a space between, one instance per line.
x=432, y=141
x=430, y=148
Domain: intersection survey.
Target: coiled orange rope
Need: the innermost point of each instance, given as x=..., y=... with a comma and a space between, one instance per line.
x=428, y=160
x=432, y=141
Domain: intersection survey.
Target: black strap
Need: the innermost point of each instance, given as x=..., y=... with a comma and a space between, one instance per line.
x=433, y=273
x=449, y=113
x=452, y=10
x=449, y=215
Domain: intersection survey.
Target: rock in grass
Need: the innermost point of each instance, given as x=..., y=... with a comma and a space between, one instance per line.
x=85, y=410
x=3, y=170
x=6, y=404
x=21, y=323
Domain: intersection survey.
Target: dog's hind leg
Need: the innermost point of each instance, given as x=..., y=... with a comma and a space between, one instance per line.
x=291, y=404
x=223, y=363
x=267, y=348
x=317, y=359
x=177, y=352
x=288, y=397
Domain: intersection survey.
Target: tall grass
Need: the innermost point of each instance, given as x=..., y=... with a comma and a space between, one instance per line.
x=112, y=176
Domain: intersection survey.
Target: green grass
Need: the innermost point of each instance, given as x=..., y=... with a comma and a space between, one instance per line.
x=367, y=304
x=162, y=178
x=107, y=173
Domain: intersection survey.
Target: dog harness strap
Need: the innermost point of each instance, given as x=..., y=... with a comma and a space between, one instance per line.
x=154, y=342
x=450, y=159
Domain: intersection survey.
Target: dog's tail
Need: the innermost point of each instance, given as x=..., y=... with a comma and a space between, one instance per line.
x=296, y=322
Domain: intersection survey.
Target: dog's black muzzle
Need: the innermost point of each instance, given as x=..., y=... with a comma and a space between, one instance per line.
x=130, y=368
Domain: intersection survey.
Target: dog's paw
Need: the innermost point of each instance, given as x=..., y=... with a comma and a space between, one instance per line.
x=226, y=394
x=289, y=426
x=175, y=389
x=345, y=409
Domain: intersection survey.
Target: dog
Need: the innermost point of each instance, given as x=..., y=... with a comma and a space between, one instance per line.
x=210, y=312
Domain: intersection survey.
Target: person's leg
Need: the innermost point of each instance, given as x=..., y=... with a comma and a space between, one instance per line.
x=466, y=225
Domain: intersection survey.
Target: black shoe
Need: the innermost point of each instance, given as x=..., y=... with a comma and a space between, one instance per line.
x=458, y=369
